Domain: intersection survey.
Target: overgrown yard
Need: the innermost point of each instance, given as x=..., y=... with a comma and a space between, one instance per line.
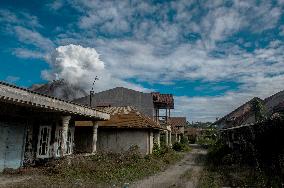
x=226, y=168
x=98, y=170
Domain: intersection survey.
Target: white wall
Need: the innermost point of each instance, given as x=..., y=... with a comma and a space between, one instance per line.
x=120, y=140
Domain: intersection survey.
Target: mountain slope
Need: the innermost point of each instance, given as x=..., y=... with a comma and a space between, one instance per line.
x=59, y=89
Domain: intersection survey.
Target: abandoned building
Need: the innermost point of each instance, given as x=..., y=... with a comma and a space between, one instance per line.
x=126, y=128
x=178, y=125
x=120, y=96
x=250, y=120
x=192, y=134
x=36, y=127
x=155, y=105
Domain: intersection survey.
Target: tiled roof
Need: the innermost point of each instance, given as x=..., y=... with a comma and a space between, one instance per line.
x=176, y=123
x=191, y=131
x=164, y=100
x=24, y=97
x=128, y=117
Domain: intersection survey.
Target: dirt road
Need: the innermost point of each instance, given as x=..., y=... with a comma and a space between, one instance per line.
x=183, y=174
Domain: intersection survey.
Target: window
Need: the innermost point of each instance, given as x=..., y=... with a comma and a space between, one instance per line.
x=43, y=142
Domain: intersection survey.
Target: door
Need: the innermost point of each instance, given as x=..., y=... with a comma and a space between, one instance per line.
x=11, y=145
x=14, y=146
x=3, y=137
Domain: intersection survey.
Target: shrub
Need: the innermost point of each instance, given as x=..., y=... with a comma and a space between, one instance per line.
x=179, y=146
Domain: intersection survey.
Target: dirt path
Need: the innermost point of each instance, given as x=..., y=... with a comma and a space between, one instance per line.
x=183, y=174
x=11, y=179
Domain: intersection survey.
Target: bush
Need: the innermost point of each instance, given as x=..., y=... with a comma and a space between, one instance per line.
x=179, y=146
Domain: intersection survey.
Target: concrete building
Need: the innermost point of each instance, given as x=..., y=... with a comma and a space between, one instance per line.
x=120, y=96
x=36, y=127
x=155, y=105
x=126, y=128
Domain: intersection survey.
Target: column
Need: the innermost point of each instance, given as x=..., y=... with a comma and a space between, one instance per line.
x=167, y=138
x=65, y=127
x=170, y=138
x=95, y=136
x=157, y=139
x=176, y=137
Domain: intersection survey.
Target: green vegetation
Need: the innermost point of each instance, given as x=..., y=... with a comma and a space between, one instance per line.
x=182, y=145
x=104, y=169
x=207, y=138
x=224, y=167
x=259, y=109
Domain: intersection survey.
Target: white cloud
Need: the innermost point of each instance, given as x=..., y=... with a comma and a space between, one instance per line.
x=79, y=66
x=28, y=36
x=25, y=53
x=12, y=79
x=145, y=42
x=19, y=18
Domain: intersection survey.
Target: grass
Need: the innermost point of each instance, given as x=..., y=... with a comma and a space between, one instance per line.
x=102, y=170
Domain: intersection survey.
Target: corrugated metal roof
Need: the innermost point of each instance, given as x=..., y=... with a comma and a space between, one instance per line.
x=21, y=96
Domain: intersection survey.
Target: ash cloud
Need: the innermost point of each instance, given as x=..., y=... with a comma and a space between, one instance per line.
x=79, y=66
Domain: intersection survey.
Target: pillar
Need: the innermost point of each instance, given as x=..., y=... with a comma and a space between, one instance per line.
x=157, y=139
x=176, y=137
x=65, y=127
x=170, y=138
x=95, y=136
x=167, y=138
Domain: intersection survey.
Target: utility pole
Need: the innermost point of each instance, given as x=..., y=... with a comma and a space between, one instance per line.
x=92, y=90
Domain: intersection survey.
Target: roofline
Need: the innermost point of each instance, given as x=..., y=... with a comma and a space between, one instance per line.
x=236, y=110
x=24, y=98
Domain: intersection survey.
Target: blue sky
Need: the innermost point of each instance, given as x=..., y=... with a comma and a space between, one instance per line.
x=212, y=55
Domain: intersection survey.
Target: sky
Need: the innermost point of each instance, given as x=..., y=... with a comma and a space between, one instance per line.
x=212, y=55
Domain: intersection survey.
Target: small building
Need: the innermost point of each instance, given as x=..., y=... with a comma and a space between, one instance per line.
x=126, y=128
x=178, y=125
x=192, y=134
x=36, y=127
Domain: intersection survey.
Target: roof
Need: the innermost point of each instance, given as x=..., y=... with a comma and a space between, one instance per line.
x=25, y=97
x=239, y=115
x=176, y=123
x=279, y=107
x=128, y=117
x=192, y=131
x=274, y=100
x=163, y=100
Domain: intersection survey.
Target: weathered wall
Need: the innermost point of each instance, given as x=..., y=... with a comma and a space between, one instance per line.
x=120, y=140
x=122, y=97
x=83, y=139
x=11, y=144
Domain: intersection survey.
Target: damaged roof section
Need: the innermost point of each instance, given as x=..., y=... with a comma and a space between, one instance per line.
x=24, y=97
x=128, y=117
x=163, y=100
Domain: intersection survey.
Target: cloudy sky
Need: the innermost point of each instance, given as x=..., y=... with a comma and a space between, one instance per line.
x=212, y=55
